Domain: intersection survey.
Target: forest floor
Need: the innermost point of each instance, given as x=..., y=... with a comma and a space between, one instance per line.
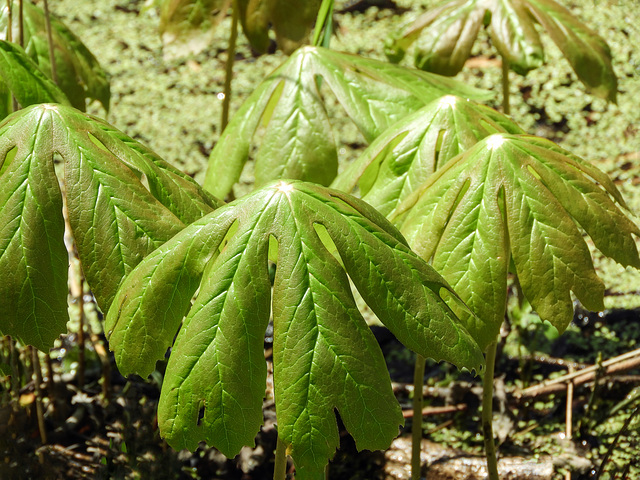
x=105, y=427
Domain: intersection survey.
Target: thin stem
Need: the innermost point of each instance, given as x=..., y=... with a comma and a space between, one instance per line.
x=280, y=469
x=52, y=58
x=231, y=54
x=416, y=431
x=487, y=413
x=506, y=109
x=324, y=24
x=37, y=380
x=20, y=24
x=9, y=21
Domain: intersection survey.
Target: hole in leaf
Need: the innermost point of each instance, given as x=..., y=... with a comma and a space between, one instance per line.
x=439, y=142
x=98, y=143
x=272, y=257
x=201, y=406
x=8, y=158
x=533, y=172
x=271, y=105
x=327, y=241
x=230, y=233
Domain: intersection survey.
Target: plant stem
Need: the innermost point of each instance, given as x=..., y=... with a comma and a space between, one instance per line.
x=324, y=24
x=231, y=54
x=9, y=21
x=37, y=381
x=506, y=109
x=280, y=469
x=416, y=431
x=20, y=24
x=487, y=413
x=52, y=58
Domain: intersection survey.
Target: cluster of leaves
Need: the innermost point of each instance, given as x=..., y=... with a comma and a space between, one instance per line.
x=79, y=74
x=446, y=34
x=173, y=267
x=188, y=26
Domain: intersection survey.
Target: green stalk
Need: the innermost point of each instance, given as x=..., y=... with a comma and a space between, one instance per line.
x=416, y=431
x=280, y=469
x=506, y=109
x=487, y=413
x=324, y=23
x=52, y=58
x=231, y=54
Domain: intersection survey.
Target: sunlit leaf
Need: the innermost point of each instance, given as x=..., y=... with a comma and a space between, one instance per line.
x=401, y=159
x=325, y=357
x=79, y=73
x=114, y=218
x=519, y=197
x=298, y=140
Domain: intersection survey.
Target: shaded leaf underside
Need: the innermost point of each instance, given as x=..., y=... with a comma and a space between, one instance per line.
x=115, y=220
x=521, y=197
x=325, y=357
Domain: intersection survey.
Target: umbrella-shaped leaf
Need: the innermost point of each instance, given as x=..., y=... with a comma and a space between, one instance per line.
x=79, y=73
x=292, y=21
x=25, y=80
x=187, y=26
x=587, y=52
x=519, y=197
x=298, y=140
x=325, y=357
x=401, y=159
x=254, y=17
x=444, y=37
x=114, y=219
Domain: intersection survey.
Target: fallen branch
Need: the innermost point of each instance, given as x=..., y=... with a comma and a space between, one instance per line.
x=426, y=411
x=609, y=367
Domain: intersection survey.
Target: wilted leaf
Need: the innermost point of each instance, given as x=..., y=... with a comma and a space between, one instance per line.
x=401, y=159
x=520, y=197
x=298, y=141
x=79, y=73
x=325, y=356
x=115, y=220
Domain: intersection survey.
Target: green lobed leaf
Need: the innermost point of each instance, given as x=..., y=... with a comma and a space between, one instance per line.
x=587, y=52
x=25, y=80
x=514, y=35
x=297, y=141
x=254, y=18
x=292, y=21
x=406, y=154
x=520, y=197
x=325, y=356
x=187, y=26
x=444, y=36
x=114, y=219
x=79, y=74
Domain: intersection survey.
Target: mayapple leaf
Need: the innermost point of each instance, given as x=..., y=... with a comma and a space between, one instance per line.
x=519, y=197
x=445, y=35
x=114, y=219
x=254, y=18
x=79, y=74
x=298, y=140
x=25, y=80
x=402, y=158
x=325, y=357
x=292, y=21
x=188, y=26
x=587, y=52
